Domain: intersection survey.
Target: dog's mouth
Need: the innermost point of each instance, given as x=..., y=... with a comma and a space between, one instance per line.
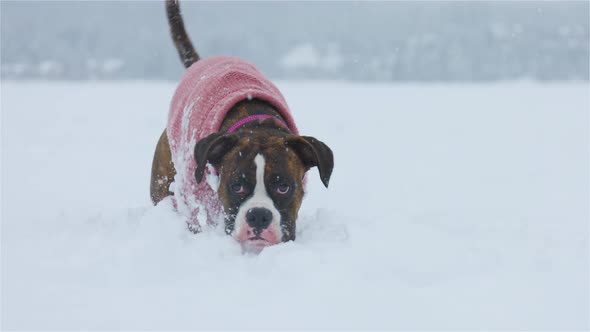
x=255, y=244
x=257, y=240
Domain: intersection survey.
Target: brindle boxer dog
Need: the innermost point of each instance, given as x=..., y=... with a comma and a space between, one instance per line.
x=261, y=165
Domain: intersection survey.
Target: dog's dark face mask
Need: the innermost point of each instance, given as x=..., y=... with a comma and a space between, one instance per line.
x=261, y=181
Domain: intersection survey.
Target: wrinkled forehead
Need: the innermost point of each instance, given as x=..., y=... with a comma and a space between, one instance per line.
x=279, y=159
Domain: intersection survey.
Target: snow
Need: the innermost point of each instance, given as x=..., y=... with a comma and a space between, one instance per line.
x=306, y=56
x=112, y=65
x=301, y=56
x=49, y=67
x=450, y=207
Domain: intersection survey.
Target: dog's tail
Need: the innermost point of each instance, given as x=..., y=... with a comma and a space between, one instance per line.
x=183, y=44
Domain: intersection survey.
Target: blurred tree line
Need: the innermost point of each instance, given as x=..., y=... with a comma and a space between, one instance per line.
x=371, y=41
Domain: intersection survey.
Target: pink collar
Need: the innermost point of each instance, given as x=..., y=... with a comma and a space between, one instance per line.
x=254, y=118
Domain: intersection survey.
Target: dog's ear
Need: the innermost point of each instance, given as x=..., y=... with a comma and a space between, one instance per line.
x=313, y=152
x=211, y=149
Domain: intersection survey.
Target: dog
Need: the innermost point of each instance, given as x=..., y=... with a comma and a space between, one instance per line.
x=231, y=150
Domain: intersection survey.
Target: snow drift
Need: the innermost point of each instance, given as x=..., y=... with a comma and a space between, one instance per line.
x=450, y=207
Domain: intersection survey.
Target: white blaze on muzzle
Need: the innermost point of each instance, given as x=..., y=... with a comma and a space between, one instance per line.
x=259, y=199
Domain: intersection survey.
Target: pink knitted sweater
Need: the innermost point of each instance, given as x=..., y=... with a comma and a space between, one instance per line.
x=207, y=91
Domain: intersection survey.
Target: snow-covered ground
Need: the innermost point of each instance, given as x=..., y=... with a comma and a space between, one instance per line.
x=450, y=207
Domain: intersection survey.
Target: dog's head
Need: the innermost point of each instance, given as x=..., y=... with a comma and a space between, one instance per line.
x=261, y=180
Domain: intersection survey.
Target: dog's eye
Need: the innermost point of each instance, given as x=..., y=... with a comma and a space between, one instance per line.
x=238, y=188
x=283, y=188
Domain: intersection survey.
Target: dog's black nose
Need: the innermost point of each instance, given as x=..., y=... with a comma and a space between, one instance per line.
x=259, y=218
